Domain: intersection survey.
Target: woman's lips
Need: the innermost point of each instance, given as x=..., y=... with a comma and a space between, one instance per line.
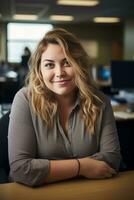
x=61, y=82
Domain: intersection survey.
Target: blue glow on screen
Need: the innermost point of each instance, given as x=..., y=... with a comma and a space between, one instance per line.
x=104, y=74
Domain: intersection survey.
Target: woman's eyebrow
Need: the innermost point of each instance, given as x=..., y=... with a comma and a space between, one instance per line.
x=64, y=59
x=48, y=60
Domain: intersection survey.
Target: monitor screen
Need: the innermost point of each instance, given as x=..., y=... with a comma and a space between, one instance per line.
x=122, y=75
x=104, y=73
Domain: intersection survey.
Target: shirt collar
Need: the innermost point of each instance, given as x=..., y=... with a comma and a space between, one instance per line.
x=77, y=102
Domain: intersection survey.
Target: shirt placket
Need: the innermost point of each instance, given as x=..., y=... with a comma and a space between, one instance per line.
x=66, y=139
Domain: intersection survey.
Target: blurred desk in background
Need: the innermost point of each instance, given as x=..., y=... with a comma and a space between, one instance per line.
x=121, y=112
x=4, y=108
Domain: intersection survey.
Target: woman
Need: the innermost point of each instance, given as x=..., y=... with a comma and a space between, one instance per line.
x=60, y=125
x=24, y=65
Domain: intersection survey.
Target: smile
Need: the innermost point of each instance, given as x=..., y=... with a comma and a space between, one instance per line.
x=61, y=81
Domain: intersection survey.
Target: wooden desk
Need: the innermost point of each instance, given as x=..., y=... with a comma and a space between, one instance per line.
x=120, y=107
x=120, y=187
x=120, y=112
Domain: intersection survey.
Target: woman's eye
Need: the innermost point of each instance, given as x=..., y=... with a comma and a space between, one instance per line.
x=49, y=65
x=66, y=63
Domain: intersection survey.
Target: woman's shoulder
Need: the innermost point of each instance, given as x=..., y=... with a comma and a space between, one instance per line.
x=22, y=92
x=20, y=109
x=21, y=95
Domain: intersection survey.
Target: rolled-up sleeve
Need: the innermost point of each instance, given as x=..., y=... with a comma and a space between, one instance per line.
x=25, y=166
x=108, y=142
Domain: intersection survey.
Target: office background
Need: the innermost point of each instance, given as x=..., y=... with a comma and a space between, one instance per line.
x=104, y=43
x=115, y=40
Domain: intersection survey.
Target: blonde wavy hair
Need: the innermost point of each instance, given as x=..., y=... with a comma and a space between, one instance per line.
x=42, y=100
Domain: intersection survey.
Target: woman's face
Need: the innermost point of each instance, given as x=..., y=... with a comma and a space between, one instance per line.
x=58, y=74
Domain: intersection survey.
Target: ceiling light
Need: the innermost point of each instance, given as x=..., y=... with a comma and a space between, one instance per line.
x=106, y=19
x=25, y=17
x=78, y=2
x=61, y=17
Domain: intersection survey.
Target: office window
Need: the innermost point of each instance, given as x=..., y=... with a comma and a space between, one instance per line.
x=20, y=35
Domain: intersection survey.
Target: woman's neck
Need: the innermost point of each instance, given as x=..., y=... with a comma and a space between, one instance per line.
x=66, y=101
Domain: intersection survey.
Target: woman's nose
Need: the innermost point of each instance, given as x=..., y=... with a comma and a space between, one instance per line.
x=59, y=72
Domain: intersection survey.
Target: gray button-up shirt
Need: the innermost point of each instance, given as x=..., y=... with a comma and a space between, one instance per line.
x=32, y=144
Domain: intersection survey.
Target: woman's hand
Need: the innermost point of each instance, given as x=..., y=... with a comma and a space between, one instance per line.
x=95, y=169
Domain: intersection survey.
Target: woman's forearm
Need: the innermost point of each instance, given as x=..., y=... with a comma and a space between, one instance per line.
x=94, y=169
x=89, y=168
x=62, y=169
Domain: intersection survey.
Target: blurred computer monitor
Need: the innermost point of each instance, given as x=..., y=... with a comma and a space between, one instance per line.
x=122, y=75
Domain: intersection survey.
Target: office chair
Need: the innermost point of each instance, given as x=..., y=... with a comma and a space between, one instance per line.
x=4, y=162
